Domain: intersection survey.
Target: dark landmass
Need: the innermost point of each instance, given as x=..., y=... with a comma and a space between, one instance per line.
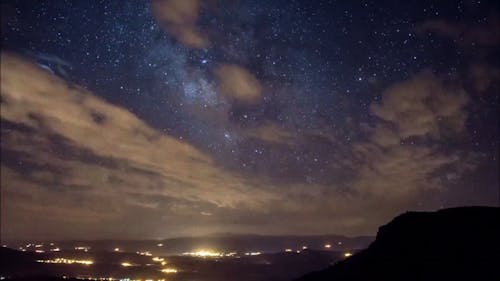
x=450, y=244
x=270, y=263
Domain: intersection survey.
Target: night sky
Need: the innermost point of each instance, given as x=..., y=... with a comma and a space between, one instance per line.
x=140, y=119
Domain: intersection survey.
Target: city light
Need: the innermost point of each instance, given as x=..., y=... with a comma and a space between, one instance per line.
x=252, y=253
x=81, y=248
x=347, y=254
x=127, y=264
x=169, y=270
x=144, y=253
x=204, y=253
x=67, y=261
x=328, y=246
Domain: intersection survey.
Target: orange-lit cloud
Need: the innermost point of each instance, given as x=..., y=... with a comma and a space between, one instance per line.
x=238, y=83
x=74, y=162
x=423, y=105
x=179, y=17
x=71, y=140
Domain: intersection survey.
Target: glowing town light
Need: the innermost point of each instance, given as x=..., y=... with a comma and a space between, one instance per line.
x=159, y=245
x=347, y=254
x=55, y=250
x=204, y=254
x=288, y=250
x=328, y=246
x=126, y=264
x=169, y=270
x=80, y=248
x=252, y=253
x=158, y=259
x=144, y=253
x=116, y=249
x=304, y=247
x=163, y=263
x=67, y=261
x=39, y=251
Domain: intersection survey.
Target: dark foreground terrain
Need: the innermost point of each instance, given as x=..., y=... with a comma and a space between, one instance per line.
x=450, y=244
x=214, y=258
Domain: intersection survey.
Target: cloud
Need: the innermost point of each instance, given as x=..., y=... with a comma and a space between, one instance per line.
x=179, y=18
x=238, y=83
x=76, y=165
x=402, y=156
x=421, y=106
x=64, y=147
x=466, y=35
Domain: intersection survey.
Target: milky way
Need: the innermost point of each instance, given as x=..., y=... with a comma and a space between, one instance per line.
x=148, y=119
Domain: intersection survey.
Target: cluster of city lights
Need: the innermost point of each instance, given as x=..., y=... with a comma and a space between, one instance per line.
x=67, y=261
x=128, y=264
x=115, y=279
x=169, y=270
x=204, y=254
x=253, y=253
x=146, y=253
x=82, y=248
x=159, y=260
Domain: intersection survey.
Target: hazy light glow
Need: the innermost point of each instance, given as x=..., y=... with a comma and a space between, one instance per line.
x=67, y=261
x=169, y=270
x=146, y=253
x=204, y=254
x=82, y=248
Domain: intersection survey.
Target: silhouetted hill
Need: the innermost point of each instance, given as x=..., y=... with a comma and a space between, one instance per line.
x=450, y=244
x=12, y=262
